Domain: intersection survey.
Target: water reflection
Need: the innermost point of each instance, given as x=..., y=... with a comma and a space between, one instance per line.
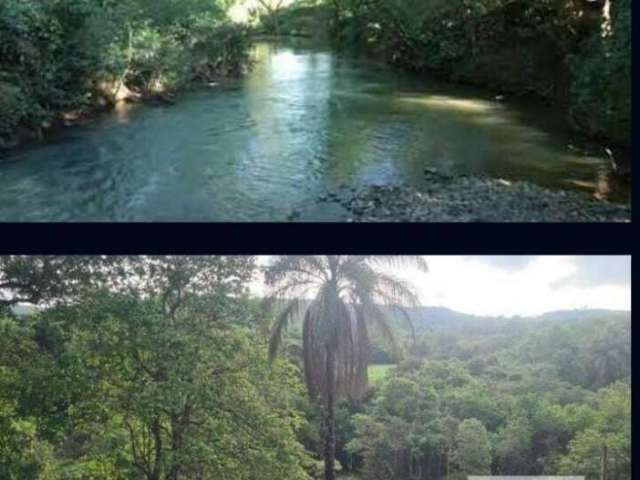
x=270, y=145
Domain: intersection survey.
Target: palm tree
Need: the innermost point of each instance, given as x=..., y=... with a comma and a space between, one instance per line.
x=351, y=293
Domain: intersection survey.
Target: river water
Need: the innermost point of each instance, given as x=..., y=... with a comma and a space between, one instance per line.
x=269, y=147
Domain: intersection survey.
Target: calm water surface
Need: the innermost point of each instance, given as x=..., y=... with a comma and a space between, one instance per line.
x=270, y=146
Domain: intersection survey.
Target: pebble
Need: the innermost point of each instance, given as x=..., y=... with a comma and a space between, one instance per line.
x=475, y=199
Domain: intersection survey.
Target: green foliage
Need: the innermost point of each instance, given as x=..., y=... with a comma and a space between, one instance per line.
x=601, y=92
x=472, y=451
x=505, y=399
x=610, y=427
x=63, y=56
x=151, y=373
x=378, y=372
x=22, y=454
x=344, y=307
x=15, y=107
x=513, y=444
x=220, y=51
x=300, y=18
x=157, y=368
x=553, y=49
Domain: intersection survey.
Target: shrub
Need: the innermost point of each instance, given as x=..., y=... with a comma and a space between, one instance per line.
x=59, y=56
x=601, y=90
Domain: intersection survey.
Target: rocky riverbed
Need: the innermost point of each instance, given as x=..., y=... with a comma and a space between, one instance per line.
x=473, y=199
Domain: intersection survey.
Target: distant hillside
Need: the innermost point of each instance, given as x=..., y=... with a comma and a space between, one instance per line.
x=583, y=314
x=428, y=318
x=434, y=318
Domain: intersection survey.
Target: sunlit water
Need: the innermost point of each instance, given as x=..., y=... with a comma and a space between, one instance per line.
x=270, y=146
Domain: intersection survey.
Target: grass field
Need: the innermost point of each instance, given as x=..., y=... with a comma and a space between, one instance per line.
x=378, y=372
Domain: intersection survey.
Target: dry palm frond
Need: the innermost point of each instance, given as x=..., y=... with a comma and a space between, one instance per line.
x=351, y=296
x=280, y=326
x=397, y=261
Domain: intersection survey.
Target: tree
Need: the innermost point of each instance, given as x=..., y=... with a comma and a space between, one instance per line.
x=64, y=56
x=604, y=445
x=151, y=373
x=189, y=394
x=54, y=279
x=273, y=7
x=21, y=452
x=44, y=279
x=472, y=454
x=349, y=292
x=609, y=353
x=538, y=414
x=513, y=447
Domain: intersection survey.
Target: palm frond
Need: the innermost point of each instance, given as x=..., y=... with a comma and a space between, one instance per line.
x=335, y=348
x=290, y=289
x=360, y=380
x=358, y=277
x=350, y=294
x=397, y=261
x=407, y=318
x=315, y=345
x=393, y=290
x=286, y=266
x=379, y=320
x=280, y=326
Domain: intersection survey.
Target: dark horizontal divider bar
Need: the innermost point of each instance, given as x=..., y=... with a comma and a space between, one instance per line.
x=257, y=238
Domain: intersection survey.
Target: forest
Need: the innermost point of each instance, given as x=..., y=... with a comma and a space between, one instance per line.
x=167, y=368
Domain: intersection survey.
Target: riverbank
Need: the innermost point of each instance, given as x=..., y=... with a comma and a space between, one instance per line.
x=107, y=103
x=474, y=199
x=575, y=55
x=62, y=62
x=268, y=146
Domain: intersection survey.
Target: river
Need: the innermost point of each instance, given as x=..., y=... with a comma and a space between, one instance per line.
x=270, y=146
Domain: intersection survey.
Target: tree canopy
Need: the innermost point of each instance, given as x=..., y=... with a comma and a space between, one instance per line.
x=161, y=368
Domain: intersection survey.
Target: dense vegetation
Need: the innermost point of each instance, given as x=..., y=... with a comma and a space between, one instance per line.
x=140, y=377
x=576, y=53
x=510, y=399
x=336, y=324
x=60, y=58
x=158, y=368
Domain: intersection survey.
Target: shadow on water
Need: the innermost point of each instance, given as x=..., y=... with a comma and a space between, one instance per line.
x=270, y=146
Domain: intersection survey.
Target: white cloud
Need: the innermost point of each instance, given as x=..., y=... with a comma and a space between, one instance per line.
x=524, y=285
x=518, y=286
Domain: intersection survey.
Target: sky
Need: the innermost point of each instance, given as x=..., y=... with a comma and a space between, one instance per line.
x=520, y=285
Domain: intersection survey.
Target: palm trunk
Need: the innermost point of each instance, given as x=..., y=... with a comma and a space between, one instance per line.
x=330, y=420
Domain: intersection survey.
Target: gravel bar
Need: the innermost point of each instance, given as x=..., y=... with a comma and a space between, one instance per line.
x=473, y=199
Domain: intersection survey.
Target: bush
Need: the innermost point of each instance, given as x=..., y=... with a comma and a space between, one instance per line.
x=553, y=49
x=61, y=56
x=221, y=51
x=601, y=91
x=13, y=107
